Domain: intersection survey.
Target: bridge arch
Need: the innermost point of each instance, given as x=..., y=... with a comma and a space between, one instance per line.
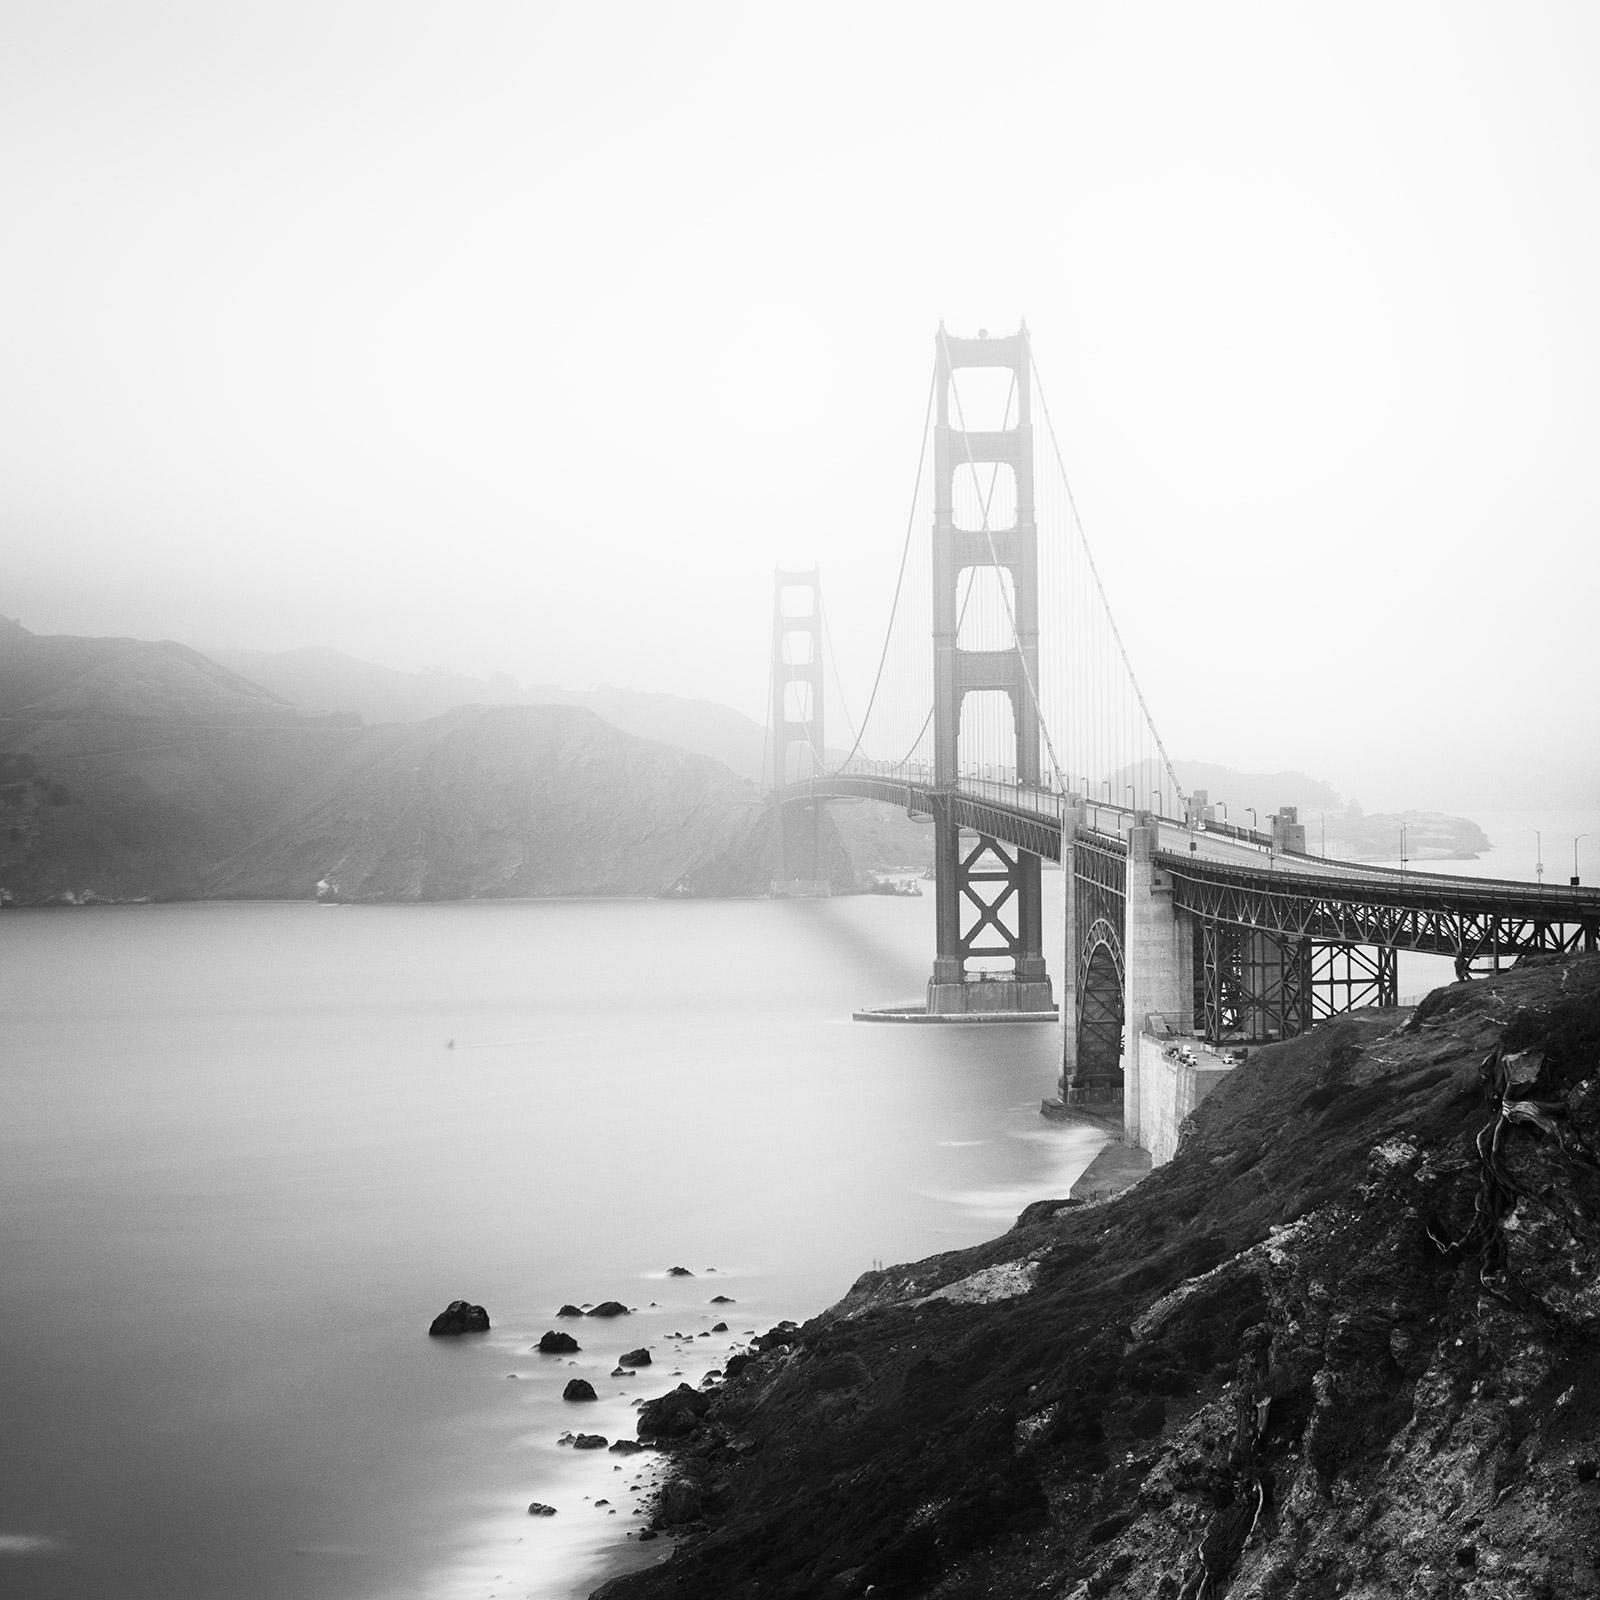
x=1101, y=986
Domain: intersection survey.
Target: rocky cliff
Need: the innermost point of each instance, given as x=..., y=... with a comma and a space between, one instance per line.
x=1346, y=1343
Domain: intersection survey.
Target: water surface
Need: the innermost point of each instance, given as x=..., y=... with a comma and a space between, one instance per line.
x=248, y=1151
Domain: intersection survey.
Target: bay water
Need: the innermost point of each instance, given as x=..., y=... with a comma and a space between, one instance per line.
x=248, y=1151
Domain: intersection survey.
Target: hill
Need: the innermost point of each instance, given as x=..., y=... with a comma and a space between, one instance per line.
x=1346, y=1343
x=132, y=770
x=317, y=680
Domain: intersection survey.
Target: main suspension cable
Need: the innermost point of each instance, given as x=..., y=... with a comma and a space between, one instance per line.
x=899, y=582
x=1094, y=572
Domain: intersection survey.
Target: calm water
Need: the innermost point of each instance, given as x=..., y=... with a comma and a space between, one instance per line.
x=242, y=1166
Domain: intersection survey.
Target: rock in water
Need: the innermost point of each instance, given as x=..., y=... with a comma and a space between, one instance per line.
x=635, y=1358
x=679, y=1272
x=460, y=1316
x=579, y=1389
x=609, y=1308
x=558, y=1344
x=570, y=1310
x=538, y=1510
x=590, y=1441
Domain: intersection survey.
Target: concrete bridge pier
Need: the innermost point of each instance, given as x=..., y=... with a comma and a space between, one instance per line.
x=1158, y=947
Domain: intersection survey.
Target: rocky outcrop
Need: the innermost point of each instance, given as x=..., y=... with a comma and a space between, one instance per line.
x=460, y=1316
x=555, y=1343
x=608, y=1308
x=579, y=1389
x=635, y=1358
x=1346, y=1343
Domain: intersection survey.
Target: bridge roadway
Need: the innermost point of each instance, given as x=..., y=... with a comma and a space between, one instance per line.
x=1237, y=874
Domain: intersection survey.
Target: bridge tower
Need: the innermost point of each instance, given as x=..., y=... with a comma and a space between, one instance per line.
x=988, y=897
x=797, y=729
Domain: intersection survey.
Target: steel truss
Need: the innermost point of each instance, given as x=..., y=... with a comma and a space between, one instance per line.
x=989, y=880
x=1099, y=888
x=1475, y=919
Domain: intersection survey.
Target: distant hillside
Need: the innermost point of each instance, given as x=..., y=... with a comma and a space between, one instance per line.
x=509, y=800
x=131, y=770
x=317, y=680
x=1331, y=821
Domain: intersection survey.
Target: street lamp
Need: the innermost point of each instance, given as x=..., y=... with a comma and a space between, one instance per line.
x=1252, y=811
x=1402, y=847
x=1538, y=839
x=1224, y=806
x=1575, y=859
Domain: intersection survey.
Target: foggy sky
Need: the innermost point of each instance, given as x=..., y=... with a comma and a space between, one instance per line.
x=526, y=338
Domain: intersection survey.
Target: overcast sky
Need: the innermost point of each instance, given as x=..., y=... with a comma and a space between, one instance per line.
x=526, y=338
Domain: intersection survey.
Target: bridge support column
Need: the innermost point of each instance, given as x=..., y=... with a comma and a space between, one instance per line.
x=978, y=876
x=1158, y=973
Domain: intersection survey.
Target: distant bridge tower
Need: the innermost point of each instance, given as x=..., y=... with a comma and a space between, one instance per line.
x=796, y=676
x=988, y=897
x=797, y=728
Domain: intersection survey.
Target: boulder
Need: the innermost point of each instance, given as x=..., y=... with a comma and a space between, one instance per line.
x=635, y=1358
x=460, y=1316
x=626, y=1447
x=679, y=1272
x=736, y=1364
x=609, y=1308
x=671, y=1415
x=723, y=1300
x=579, y=1389
x=590, y=1441
x=570, y=1311
x=538, y=1510
x=556, y=1343
x=679, y=1501
x=719, y=1327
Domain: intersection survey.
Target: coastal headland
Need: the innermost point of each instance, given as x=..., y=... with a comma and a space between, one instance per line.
x=1344, y=1343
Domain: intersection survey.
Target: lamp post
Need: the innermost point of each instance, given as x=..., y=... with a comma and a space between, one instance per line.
x=1575, y=859
x=1224, y=805
x=1538, y=866
x=1252, y=811
x=1402, y=847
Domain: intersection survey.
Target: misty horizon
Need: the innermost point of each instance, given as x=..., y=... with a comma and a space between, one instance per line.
x=489, y=351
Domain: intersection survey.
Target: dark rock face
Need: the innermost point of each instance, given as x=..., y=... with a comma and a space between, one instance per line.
x=671, y=1415
x=1347, y=1341
x=459, y=1317
x=579, y=1389
x=626, y=1447
x=555, y=1343
x=609, y=1308
x=635, y=1358
x=678, y=1502
x=590, y=1441
x=570, y=1310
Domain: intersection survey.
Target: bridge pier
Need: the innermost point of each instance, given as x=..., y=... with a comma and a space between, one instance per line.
x=1158, y=945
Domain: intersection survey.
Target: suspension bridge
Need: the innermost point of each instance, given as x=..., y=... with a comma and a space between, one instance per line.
x=1005, y=708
